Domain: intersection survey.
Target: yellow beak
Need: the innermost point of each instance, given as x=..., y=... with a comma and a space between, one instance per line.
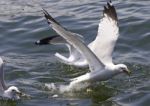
x=128, y=72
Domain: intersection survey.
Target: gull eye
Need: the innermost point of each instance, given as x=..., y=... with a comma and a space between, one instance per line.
x=122, y=68
x=13, y=90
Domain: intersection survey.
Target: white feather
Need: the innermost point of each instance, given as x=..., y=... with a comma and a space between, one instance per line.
x=105, y=41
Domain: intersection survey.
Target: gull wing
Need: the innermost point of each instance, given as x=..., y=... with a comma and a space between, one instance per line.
x=107, y=36
x=2, y=83
x=55, y=40
x=74, y=54
x=94, y=63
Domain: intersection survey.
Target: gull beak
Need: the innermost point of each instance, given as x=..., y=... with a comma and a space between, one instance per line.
x=127, y=71
x=19, y=93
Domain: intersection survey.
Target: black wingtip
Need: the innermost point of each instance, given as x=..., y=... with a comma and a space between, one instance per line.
x=110, y=11
x=49, y=17
x=108, y=4
x=44, y=11
x=46, y=40
x=105, y=8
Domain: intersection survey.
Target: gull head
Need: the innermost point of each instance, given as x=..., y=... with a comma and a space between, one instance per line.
x=123, y=68
x=12, y=93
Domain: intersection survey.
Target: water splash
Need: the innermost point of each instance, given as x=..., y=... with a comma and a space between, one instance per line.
x=61, y=88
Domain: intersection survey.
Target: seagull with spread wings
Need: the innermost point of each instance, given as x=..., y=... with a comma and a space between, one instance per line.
x=98, y=54
x=11, y=92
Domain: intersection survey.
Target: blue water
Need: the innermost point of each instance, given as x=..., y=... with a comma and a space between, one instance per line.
x=29, y=66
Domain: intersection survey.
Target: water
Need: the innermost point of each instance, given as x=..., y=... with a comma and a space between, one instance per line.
x=29, y=66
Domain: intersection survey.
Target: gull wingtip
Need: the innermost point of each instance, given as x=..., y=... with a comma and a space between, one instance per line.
x=44, y=11
x=110, y=10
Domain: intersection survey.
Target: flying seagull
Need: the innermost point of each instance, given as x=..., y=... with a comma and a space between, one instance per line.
x=102, y=46
x=11, y=92
x=101, y=66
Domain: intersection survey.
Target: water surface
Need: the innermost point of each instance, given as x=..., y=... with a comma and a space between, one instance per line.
x=29, y=66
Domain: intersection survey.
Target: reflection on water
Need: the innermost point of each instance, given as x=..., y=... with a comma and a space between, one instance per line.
x=29, y=66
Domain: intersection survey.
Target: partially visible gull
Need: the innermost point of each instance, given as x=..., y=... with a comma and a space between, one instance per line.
x=99, y=56
x=11, y=92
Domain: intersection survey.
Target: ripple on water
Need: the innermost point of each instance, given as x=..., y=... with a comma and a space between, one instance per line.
x=29, y=66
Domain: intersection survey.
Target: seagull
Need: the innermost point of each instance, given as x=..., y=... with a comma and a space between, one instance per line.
x=99, y=55
x=12, y=92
